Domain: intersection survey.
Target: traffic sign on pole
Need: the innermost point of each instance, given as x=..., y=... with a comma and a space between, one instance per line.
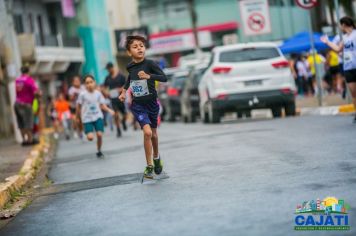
x=255, y=17
x=307, y=4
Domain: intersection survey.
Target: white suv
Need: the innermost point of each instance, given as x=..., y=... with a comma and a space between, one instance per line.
x=243, y=77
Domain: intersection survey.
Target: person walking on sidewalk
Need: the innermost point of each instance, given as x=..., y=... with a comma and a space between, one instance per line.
x=142, y=76
x=115, y=81
x=26, y=90
x=89, y=105
x=348, y=45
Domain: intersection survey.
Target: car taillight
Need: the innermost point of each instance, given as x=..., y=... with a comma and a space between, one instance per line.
x=173, y=92
x=280, y=64
x=286, y=90
x=221, y=96
x=221, y=70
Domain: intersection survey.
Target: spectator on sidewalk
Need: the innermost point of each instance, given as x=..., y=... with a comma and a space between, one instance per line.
x=320, y=62
x=336, y=80
x=301, y=68
x=26, y=89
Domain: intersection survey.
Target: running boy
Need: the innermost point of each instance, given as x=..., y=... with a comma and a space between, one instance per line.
x=89, y=105
x=142, y=76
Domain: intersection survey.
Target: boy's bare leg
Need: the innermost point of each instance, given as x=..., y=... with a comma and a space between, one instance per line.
x=154, y=140
x=99, y=142
x=117, y=119
x=90, y=136
x=352, y=87
x=147, y=140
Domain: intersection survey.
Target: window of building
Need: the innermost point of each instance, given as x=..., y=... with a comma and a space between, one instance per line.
x=176, y=9
x=148, y=13
x=30, y=22
x=18, y=24
x=281, y=3
x=278, y=3
x=53, y=25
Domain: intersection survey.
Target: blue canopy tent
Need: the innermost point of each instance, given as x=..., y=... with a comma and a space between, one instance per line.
x=301, y=43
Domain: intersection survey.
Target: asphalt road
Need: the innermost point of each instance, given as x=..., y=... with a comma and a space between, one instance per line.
x=234, y=178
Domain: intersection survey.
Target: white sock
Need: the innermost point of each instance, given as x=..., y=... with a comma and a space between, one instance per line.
x=155, y=158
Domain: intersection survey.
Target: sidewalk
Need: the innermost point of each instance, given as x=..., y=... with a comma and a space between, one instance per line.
x=331, y=105
x=19, y=165
x=328, y=100
x=12, y=157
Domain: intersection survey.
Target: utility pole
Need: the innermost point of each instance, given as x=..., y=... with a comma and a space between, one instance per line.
x=194, y=19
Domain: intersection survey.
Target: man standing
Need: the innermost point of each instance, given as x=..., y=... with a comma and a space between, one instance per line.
x=114, y=82
x=26, y=90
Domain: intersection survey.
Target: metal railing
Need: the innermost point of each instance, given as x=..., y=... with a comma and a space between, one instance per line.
x=56, y=41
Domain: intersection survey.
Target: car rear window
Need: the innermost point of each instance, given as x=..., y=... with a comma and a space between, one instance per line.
x=248, y=54
x=178, y=82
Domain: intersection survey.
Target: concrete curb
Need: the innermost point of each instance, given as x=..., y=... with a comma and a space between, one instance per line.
x=328, y=110
x=349, y=108
x=28, y=171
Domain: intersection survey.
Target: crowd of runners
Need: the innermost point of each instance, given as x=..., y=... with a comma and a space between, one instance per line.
x=86, y=108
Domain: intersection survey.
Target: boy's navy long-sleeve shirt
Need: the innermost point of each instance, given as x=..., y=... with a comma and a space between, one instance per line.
x=144, y=90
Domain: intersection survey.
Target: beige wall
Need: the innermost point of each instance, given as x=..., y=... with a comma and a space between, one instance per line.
x=122, y=14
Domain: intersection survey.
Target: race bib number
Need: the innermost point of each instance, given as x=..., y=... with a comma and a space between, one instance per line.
x=139, y=88
x=348, y=57
x=114, y=93
x=92, y=109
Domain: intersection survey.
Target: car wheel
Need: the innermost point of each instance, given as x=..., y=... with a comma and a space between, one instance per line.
x=170, y=115
x=193, y=118
x=248, y=113
x=185, y=119
x=276, y=111
x=214, y=115
x=204, y=116
x=290, y=109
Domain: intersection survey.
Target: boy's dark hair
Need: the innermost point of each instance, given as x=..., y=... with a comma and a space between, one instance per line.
x=76, y=76
x=88, y=76
x=348, y=21
x=25, y=69
x=131, y=38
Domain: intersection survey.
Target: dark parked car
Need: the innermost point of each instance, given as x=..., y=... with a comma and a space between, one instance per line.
x=162, y=89
x=174, y=91
x=190, y=95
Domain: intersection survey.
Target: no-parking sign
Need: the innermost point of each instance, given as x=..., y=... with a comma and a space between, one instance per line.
x=307, y=4
x=255, y=17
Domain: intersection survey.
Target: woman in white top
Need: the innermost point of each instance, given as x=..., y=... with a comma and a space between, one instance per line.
x=348, y=45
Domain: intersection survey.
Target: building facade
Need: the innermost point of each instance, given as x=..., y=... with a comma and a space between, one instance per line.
x=169, y=20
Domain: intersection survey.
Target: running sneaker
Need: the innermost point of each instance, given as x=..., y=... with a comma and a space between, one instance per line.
x=158, y=166
x=148, y=173
x=354, y=121
x=124, y=125
x=118, y=134
x=99, y=154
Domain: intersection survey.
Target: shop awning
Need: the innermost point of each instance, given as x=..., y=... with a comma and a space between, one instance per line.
x=231, y=25
x=183, y=40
